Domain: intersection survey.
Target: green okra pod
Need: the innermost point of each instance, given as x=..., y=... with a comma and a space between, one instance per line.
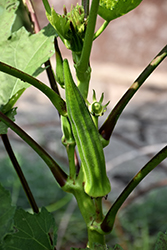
x=96, y=182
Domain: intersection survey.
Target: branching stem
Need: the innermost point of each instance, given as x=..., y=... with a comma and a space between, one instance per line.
x=58, y=173
x=108, y=126
x=87, y=46
x=56, y=100
x=19, y=173
x=108, y=222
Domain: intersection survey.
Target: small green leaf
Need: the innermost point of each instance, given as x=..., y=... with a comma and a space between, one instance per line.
x=32, y=231
x=161, y=243
x=6, y=212
x=118, y=247
x=111, y=9
x=5, y=108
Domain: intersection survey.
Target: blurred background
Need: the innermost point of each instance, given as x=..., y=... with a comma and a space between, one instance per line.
x=118, y=56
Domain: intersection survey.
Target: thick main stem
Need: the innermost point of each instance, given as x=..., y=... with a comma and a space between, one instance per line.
x=91, y=216
x=88, y=40
x=95, y=238
x=91, y=210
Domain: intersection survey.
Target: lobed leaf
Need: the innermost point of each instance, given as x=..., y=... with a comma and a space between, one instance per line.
x=32, y=231
x=6, y=212
x=117, y=247
x=26, y=52
x=161, y=243
x=7, y=17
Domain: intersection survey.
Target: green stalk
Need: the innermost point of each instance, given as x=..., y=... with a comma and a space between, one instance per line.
x=47, y=6
x=20, y=173
x=94, y=239
x=101, y=29
x=51, y=77
x=91, y=209
x=109, y=219
x=108, y=126
x=88, y=40
x=70, y=151
x=56, y=100
x=83, y=70
x=58, y=173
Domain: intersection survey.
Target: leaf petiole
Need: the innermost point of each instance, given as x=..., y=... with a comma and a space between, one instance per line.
x=109, y=219
x=109, y=125
x=57, y=172
x=57, y=101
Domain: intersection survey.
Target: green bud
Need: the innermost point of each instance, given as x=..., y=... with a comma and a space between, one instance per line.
x=70, y=27
x=96, y=108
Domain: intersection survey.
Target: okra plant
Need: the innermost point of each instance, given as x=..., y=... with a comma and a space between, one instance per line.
x=84, y=141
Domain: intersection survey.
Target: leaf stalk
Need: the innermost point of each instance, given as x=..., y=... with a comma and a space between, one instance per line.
x=19, y=172
x=56, y=100
x=57, y=172
x=109, y=219
x=109, y=125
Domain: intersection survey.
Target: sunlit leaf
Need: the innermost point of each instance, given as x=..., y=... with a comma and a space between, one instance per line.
x=7, y=17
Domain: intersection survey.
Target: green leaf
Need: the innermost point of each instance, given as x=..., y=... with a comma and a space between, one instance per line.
x=7, y=17
x=32, y=231
x=96, y=247
x=118, y=247
x=161, y=243
x=111, y=9
x=76, y=248
x=26, y=52
x=6, y=212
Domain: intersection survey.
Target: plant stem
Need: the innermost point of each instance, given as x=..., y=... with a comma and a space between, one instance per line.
x=70, y=151
x=95, y=238
x=19, y=173
x=83, y=70
x=37, y=28
x=85, y=4
x=47, y=6
x=109, y=219
x=89, y=211
x=101, y=29
x=88, y=40
x=58, y=173
x=57, y=101
x=51, y=77
x=108, y=126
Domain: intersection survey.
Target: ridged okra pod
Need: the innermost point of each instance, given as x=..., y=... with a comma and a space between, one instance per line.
x=96, y=182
